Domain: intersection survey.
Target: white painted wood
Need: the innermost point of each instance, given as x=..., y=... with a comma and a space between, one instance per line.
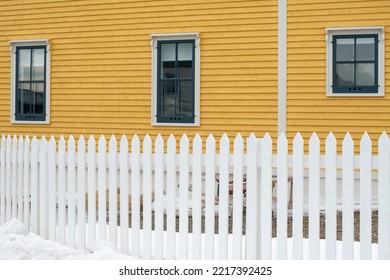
x=52, y=188
x=135, y=196
x=223, y=193
x=159, y=197
x=365, y=197
x=266, y=197
x=210, y=198
x=298, y=189
x=331, y=196
x=196, y=198
x=112, y=189
x=183, y=197
x=102, y=188
x=314, y=197
x=91, y=174
x=252, y=202
x=61, y=191
x=43, y=189
x=34, y=186
x=20, y=152
x=124, y=194
x=348, y=197
x=282, y=196
x=238, y=196
x=383, y=197
x=71, y=192
x=171, y=198
x=8, y=179
x=26, y=182
x=14, y=177
x=147, y=198
x=81, y=190
x=2, y=180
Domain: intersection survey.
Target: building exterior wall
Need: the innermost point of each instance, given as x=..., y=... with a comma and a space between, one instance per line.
x=308, y=107
x=101, y=63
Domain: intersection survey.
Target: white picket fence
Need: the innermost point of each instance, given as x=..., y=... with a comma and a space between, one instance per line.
x=46, y=185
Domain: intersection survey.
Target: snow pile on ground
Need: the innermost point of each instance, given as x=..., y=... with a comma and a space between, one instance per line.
x=17, y=244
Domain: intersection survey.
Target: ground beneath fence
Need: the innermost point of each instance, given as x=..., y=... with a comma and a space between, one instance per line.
x=305, y=228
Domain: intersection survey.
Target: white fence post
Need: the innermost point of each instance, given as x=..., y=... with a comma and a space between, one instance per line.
x=197, y=198
x=8, y=180
x=159, y=198
x=61, y=191
x=81, y=189
x=92, y=206
x=52, y=188
x=183, y=197
x=20, y=152
x=147, y=198
x=26, y=182
x=135, y=196
x=71, y=191
x=43, y=189
x=348, y=197
x=298, y=189
x=331, y=196
x=34, y=186
x=102, y=189
x=282, y=196
x=2, y=180
x=113, y=193
x=124, y=192
x=14, y=178
x=171, y=198
x=210, y=198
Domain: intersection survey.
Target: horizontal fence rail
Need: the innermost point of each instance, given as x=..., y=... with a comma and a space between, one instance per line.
x=171, y=201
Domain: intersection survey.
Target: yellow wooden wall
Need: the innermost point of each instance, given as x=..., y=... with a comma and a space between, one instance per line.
x=101, y=63
x=308, y=107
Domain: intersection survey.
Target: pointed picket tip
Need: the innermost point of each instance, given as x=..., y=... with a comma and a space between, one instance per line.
x=225, y=139
x=238, y=138
x=184, y=139
x=20, y=140
x=298, y=138
x=383, y=137
x=147, y=139
x=331, y=137
x=71, y=143
x=102, y=138
x=282, y=138
x=43, y=138
x=52, y=139
x=348, y=139
x=159, y=142
x=210, y=143
x=314, y=137
x=210, y=138
x=197, y=138
x=81, y=140
x=267, y=137
x=113, y=141
x=91, y=139
x=197, y=143
x=171, y=139
x=365, y=140
x=252, y=137
x=124, y=142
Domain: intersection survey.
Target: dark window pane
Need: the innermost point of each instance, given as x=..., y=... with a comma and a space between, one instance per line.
x=38, y=91
x=25, y=98
x=167, y=98
x=186, y=98
x=345, y=49
x=168, y=54
x=24, y=64
x=345, y=74
x=365, y=74
x=38, y=64
x=185, y=60
x=365, y=49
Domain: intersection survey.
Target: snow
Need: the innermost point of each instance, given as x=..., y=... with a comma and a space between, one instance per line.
x=16, y=243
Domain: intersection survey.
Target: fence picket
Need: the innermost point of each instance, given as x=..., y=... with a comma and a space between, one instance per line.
x=81, y=182
x=282, y=196
x=238, y=196
x=197, y=198
x=298, y=197
x=52, y=188
x=2, y=180
x=331, y=196
x=43, y=189
x=183, y=197
x=252, y=202
x=314, y=197
x=383, y=197
x=20, y=152
x=61, y=191
x=26, y=182
x=112, y=188
x=171, y=198
x=124, y=194
x=365, y=197
x=102, y=189
x=210, y=198
x=14, y=177
x=223, y=193
x=159, y=197
x=71, y=191
x=91, y=173
x=147, y=198
x=34, y=186
x=266, y=197
x=8, y=180
x=348, y=196
x=135, y=196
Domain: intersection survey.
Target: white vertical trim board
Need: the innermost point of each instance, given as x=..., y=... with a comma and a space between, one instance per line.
x=282, y=66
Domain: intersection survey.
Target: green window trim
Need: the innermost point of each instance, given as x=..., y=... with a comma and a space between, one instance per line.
x=362, y=74
x=30, y=90
x=175, y=81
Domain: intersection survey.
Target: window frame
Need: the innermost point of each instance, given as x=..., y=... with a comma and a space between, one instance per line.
x=30, y=44
x=356, y=32
x=166, y=38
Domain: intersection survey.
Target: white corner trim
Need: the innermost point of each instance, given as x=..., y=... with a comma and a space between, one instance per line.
x=282, y=66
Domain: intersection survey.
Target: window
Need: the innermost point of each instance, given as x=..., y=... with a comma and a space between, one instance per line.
x=175, y=85
x=355, y=62
x=30, y=81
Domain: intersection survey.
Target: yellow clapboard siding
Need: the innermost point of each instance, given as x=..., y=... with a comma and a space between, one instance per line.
x=101, y=63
